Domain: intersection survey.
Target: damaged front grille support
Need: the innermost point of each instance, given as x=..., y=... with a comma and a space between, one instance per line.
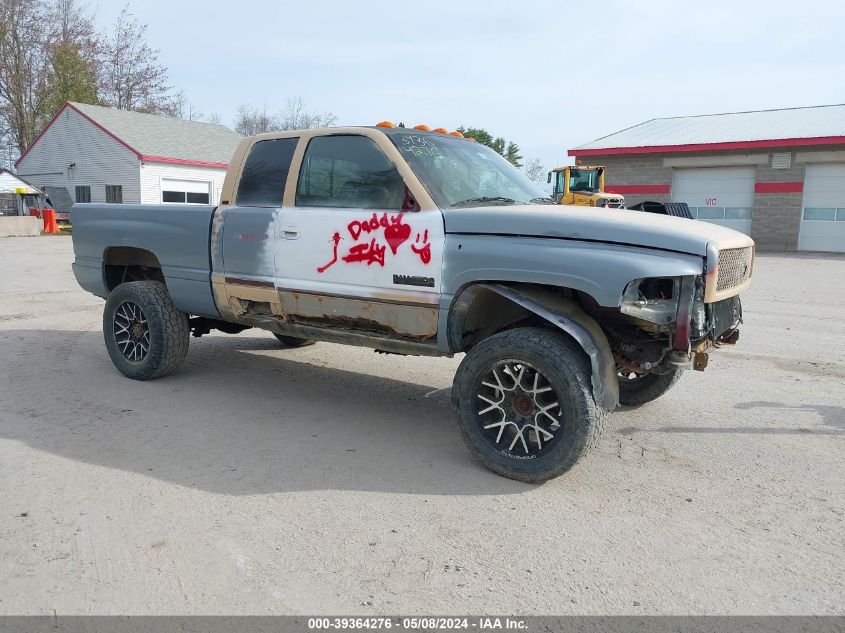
x=680, y=354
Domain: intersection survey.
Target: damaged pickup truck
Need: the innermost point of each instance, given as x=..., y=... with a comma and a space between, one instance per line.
x=425, y=243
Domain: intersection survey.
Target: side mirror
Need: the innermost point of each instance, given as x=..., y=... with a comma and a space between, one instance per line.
x=549, y=178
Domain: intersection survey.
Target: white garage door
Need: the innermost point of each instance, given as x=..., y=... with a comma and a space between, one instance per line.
x=185, y=191
x=823, y=215
x=721, y=195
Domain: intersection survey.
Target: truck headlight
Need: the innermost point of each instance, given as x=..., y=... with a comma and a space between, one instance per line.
x=653, y=299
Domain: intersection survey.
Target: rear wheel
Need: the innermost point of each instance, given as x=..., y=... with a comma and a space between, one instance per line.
x=293, y=341
x=525, y=405
x=638, y=389
x=145, y=335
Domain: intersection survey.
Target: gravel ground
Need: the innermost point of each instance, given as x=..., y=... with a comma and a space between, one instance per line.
x=330, y=479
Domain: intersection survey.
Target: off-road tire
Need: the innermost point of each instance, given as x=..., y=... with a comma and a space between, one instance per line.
x=168, y=330
x=633, y=393
x=293, y=341
x=566, y=369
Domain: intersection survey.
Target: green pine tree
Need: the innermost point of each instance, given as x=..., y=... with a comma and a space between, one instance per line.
x=479, y=134
x=512, y=154
x=508, y=149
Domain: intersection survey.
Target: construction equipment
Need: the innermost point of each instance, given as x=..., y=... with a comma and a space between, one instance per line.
x=583, y=186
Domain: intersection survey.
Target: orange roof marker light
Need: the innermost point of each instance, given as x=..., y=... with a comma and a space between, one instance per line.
x=440, y=130
x=471, y=138
x=456, y=133
x=422, y=127
x=385, y=124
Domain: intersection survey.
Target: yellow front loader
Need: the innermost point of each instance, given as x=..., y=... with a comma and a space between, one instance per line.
x=583, y=186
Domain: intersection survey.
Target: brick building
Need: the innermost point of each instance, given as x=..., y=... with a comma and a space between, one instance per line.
x=778, y=175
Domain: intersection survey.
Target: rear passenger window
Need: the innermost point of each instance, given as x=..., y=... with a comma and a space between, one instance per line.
x=265, y=173
x=348, y=172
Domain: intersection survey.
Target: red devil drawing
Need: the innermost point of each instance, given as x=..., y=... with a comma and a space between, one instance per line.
x=336, y=239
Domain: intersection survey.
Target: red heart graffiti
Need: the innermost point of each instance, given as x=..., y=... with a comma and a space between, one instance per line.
x=396, y=235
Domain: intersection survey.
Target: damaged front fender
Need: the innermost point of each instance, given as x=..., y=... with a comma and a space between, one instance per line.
x=571, y=319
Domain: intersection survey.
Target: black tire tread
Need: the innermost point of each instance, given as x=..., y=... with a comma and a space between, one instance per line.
x=293, y=341
x=635, y=394
x=566, y=355
x=171, y=327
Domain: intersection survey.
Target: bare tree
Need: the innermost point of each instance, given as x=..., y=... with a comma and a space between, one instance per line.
x=534, y=169
x=184, y=109
x=7, y=148
x=215, y=118
x=50, y=53
x=71, y=22
x=24, y=67
x=254, y=120
x=130, y=76
x=295, y=116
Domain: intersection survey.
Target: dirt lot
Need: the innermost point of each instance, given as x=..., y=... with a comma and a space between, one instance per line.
x=330, y=479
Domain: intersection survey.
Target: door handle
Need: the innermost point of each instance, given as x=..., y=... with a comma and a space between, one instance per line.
x=289, y=232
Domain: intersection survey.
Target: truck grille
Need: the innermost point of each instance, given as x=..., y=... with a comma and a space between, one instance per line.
x=734, y=267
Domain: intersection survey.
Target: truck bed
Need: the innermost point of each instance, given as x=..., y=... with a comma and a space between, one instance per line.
x=176, y=235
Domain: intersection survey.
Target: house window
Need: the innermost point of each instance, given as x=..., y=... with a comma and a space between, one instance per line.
x=114, y=193
x=83, y=193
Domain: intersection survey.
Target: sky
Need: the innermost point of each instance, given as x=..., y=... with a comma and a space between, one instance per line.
x=547, y=75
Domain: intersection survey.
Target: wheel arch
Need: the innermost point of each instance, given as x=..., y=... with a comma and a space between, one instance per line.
x=130, y=263
x=514, y=303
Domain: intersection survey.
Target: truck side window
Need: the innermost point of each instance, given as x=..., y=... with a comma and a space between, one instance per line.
x=265, y=172
x=348, y=172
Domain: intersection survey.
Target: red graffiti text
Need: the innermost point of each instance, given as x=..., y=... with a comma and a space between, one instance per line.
x=394, y=234
x=371, y=253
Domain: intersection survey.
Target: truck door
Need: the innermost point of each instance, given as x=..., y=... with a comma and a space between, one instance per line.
x=246, y=236
x=355, y=251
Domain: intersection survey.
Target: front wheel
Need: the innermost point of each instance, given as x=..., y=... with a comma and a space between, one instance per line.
x=525, y=405
x=637, y=389
x=145, y=335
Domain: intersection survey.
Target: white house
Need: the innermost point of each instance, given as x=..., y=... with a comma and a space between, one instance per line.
x=89, y=153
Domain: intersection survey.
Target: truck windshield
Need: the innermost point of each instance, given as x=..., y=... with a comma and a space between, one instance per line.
x=460, y=173
x=584, y=180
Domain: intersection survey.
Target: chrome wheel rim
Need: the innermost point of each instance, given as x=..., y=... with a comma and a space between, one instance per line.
x=519, y=412
x=131, y=331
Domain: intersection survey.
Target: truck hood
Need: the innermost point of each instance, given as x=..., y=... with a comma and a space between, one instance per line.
x=618, y=226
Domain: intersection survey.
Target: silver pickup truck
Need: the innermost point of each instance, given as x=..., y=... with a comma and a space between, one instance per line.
x=415, y=242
